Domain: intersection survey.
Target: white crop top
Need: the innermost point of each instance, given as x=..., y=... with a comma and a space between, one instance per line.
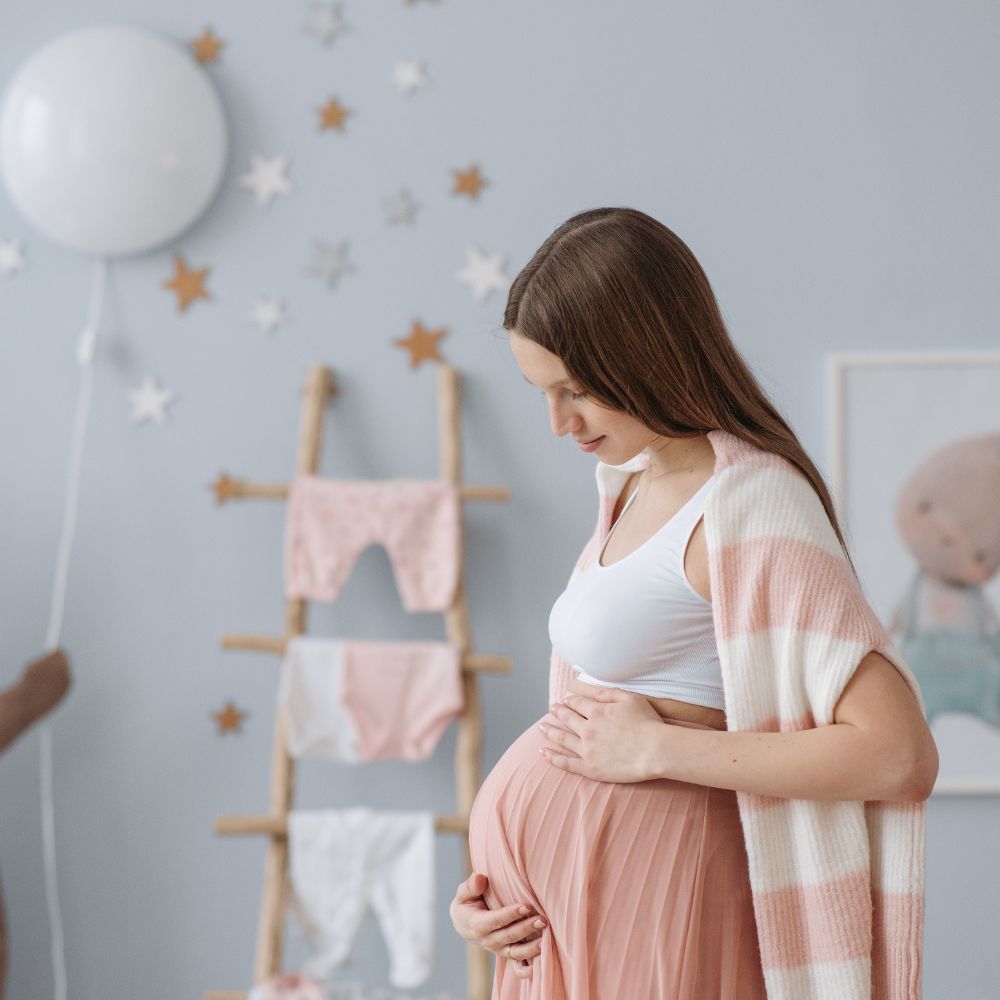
x=638, y=624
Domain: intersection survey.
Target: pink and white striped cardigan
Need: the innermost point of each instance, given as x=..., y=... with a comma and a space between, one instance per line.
x=838, y=887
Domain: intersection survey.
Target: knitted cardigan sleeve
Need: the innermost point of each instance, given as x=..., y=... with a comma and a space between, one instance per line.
x=838, y=886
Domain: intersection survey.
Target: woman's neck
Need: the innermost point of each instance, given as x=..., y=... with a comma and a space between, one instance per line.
x=677, y=458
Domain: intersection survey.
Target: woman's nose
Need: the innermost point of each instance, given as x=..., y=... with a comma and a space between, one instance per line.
x=561, y=422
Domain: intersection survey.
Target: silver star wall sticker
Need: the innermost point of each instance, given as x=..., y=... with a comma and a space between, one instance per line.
x=483, y=273
x=11, y=256
x=330, y=261
x=400, y=208
x=150, y=401
x=325, y=21
x=267, y=314
x=267, y=177
x=408, y=75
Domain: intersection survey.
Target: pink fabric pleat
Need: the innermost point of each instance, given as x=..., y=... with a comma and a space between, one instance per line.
x=644, y=885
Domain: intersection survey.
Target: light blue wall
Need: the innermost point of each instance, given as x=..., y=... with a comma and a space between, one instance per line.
x=834, y=167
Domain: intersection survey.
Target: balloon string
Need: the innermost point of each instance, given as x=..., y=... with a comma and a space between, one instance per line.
x=86, y=349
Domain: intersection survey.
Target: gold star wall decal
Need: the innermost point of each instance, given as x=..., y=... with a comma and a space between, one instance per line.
x=225, y=488
x=422, y=343
x=187, y=284
x=207, y=47
x=333, y=115
x=229, y=719
x=469, y=182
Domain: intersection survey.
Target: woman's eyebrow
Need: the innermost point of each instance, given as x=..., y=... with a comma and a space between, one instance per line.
x=562, y=381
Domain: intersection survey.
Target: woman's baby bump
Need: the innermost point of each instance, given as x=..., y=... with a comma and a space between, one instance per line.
x=505, y=818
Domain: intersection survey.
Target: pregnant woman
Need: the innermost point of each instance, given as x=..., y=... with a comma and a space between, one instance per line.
x=730, y=728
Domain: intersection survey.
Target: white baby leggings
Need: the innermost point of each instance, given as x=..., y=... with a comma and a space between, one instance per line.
x=343, y=861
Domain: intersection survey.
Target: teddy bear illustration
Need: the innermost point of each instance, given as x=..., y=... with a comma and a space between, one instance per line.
x=43, y=684
x=948, y=515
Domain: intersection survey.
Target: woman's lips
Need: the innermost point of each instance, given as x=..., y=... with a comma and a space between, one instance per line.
x=593, y=445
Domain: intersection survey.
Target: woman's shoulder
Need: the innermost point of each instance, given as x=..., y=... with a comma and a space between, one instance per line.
x=732, y=452
x=768, y=497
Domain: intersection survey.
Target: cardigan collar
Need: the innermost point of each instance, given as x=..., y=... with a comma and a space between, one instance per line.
x=611, y=478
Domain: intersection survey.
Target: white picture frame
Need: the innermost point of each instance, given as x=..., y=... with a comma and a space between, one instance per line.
x=885, y=412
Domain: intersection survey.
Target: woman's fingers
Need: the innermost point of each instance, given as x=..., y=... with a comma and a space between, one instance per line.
x=473, y=887
x=523, y=953
x=494, y=930
x=514, y=935
x=532, y=941
x=523, y=968
x=490, y=922
x=562, y=738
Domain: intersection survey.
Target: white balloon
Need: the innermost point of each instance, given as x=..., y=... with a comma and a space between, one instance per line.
x=112, y=140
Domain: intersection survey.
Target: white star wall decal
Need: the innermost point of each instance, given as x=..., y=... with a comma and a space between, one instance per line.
x=330, y=261
x=325, y=21
x=400, y=208
x=408, y=75
x=268, y=314
x=150, y=401
x=11, y=256
x=483, y=273
x=266, y=177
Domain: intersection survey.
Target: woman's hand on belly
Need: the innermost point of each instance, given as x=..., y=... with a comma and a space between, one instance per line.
x=608, y=735
x=666, y=708
x=494, y=930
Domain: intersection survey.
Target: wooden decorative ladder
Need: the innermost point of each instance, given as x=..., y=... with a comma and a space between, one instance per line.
x=270, y=938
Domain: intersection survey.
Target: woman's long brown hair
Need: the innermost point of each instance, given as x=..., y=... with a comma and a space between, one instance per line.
x=621, y=300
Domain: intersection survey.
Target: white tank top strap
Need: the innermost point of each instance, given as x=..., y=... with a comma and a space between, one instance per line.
x=679, y=526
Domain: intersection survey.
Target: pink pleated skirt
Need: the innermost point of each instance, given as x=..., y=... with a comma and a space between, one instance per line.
x=644, y=885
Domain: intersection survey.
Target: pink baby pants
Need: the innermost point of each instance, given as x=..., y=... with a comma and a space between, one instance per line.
x=331, y=521
x=359, y=700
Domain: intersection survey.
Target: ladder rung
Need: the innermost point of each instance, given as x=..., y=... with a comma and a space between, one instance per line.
x=255, y=643
x=277, y=826
x=227, y=488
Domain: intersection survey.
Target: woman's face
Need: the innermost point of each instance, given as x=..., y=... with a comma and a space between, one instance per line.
x=618, y=436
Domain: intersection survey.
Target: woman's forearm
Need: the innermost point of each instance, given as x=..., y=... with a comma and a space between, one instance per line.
x=838, y=761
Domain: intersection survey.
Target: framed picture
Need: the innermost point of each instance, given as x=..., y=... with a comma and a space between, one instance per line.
x=914, y=467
